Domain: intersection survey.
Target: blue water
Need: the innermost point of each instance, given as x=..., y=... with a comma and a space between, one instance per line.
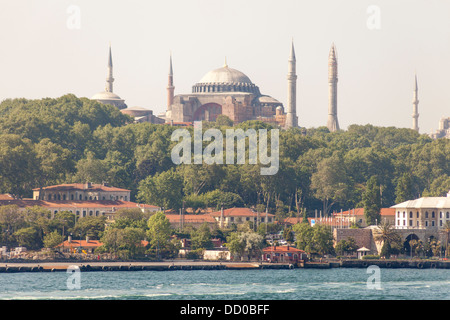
x=294, y=284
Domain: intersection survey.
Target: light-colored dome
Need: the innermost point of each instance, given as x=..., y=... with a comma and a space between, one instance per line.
x=225, y=75
x=105, y=95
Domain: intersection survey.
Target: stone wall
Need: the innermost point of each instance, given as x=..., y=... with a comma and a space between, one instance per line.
x=363, y=238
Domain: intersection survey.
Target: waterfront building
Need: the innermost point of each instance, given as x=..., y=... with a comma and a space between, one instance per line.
x=430, y=213
x=283, y=254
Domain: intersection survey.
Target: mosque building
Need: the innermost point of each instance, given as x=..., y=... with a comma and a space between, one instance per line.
x=230, y=92
x=108, y=96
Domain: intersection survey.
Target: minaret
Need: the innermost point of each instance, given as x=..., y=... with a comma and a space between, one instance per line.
x=170, y=87
x=415, y=102
x=109, y=79
x=291, y=112
x=332, y=124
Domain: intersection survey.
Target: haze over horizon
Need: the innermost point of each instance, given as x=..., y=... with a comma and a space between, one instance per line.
x=51, y=49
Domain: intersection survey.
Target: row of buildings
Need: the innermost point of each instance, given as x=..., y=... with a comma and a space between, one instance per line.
x=419, y=219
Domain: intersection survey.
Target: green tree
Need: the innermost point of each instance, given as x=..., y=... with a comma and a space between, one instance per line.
x=372, y=201
x=52, y=239
x=201, y=238
x=29, y=238
x=322, y=239
x=164, y=190
x=304, y=235
x=159, y=230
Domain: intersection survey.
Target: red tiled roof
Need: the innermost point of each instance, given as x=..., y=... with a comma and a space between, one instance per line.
x=234, y=212
x=282, y=249
x=6, y=197
x=81, y=243
x=80, y=186
x=118, y=204
x=360, y=212
x=191, y=218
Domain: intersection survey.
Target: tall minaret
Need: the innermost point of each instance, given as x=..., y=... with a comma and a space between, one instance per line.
x=415, y=102
x=291, y=112
x=170, y=87
x=332, y=124
x=109, y=79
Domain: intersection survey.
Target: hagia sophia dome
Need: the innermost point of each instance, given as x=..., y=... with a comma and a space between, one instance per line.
x=225, y=79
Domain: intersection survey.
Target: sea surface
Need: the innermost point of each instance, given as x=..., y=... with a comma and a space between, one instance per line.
x=290, y=284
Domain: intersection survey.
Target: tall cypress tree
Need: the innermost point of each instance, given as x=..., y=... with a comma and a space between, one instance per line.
x=372, y=201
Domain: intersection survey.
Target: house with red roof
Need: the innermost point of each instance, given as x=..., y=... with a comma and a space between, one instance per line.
x=286, y=254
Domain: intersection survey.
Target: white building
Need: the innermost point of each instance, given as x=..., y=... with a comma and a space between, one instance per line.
x=423, y=213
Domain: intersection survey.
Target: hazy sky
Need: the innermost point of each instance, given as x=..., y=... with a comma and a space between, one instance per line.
x=50, y=48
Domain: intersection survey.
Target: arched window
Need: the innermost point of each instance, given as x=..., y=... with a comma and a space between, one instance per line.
x=426, y=214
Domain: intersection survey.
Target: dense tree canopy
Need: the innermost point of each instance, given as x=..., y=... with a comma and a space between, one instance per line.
x=70, y=139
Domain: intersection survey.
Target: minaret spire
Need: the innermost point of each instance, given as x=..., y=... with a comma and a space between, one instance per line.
x=332, y=123
x=415, y=102
x=110, y=78
x=291, y=112
x=170, y=86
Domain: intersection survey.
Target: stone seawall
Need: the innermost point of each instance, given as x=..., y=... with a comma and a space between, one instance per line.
x=61, y=267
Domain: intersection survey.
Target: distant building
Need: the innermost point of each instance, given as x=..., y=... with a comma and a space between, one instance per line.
x=443, y=131
x=178, y=221
x=81, y=191
x=225, y=218
x=142, y=115
x=81, y=209
x=230, y=92
x=108, y=96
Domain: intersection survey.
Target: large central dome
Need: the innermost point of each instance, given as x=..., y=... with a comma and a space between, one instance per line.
x=225, y=79
x=225, y=75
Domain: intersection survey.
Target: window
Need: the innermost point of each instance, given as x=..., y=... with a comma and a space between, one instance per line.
x=49, y=197
x=90, y=212
x=410, y=214
x=426, y=223
x=417, y=215
x=71, y=197
x=432, y=223
x=448, y=215
x=432, y=214
x=440, y=223
x=404, y=214
x=81, y=197
x=426, y=214
x=410, y=223
x=78, y=213
x=84, y=213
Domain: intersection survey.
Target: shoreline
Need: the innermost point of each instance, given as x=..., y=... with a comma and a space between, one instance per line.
x=13, y=267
